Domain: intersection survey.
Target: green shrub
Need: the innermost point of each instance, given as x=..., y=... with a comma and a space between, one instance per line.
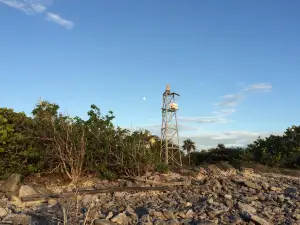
x=162, y=168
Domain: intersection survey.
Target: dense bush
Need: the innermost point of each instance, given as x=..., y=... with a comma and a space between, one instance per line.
x=18, y=150
x=274, y=151
x=51, y=142
x=218, y=154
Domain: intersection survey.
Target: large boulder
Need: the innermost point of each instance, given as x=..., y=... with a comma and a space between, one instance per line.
x=26, y=190
x=12, y=184
x=3, y=212
x=19, y=219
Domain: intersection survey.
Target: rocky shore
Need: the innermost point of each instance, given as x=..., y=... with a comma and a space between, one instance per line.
x=207, y=196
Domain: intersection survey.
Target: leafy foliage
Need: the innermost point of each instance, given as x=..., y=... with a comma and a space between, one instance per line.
x=50, y=141
x=189, y=146
x=162, y=168
x=274, y=151
x=18, y=151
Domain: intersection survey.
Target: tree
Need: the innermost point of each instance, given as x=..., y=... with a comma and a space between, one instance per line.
x=189, y=145
x=18, y=150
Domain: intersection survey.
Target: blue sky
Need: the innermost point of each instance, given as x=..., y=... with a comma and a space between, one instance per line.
x=235, y=63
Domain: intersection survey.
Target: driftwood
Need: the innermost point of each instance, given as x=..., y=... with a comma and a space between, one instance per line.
x=153, y=182
x=96, y=191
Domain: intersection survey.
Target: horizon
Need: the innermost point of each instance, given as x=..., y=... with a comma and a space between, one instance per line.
x=235, y=64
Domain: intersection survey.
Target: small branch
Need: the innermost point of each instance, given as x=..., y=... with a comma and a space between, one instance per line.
x=97, y=191
x=182, y=183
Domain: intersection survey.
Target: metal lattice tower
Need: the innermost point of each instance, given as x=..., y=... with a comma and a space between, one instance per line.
x=170, y=152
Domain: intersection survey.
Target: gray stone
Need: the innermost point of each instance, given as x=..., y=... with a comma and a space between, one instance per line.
x=173, y=222
x=189, y=214
x=120, y=219
x=87, y=199
x=26, y=190
x=12, y=184
x=3, y=212
x=247, y=208
x=110, y=215
x=259, y=220
x=168, y=214
x=296, y=216
x=158, y=215
x=215, y=213
x=228, y=196
x=103, y=222
x=254, y=218
x=18, y=219
x=252, y=185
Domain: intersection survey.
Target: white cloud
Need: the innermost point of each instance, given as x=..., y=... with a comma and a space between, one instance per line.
x=39, y=8
x=59, y=20
x=258, y=87
x=228, y=138
x=224, y=112
x=26, y=6
x=230, y=100
x=32, y=7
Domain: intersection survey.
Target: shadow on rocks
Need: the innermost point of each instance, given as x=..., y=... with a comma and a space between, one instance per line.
x=141, y=211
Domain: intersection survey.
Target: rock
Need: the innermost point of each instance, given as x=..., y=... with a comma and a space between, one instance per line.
x=188, y=204
x=120, y=219
x=158, y=215
x=132, y=213
x=280, y=198
x=159, y=222
x=228, y=197
x=247, y=170
x=265, y=186
x=93, y=213
x=43, y=190
x=296, y=216
x=254, y=218
x=3, y=212
x=210, y=200
x=128, y=184
x=262, y=197
x=168, y=215
x=173, y=222
x=205, y=222
x=203, y=171
x=247, y=208
x=259, y=220
x=202, y=216
x=52, y=202
x=252, y=185
x=213, y=214
x=275, y=189
x=110, y=215
x=17, y=219
x=251, y=198
x=189, y=214
x=216, y=186
x=145, y=219
x=12, y=184
x=119, y=194
x=103, y=222
x=182, y=215
x=26, y=190
x=87, y=199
